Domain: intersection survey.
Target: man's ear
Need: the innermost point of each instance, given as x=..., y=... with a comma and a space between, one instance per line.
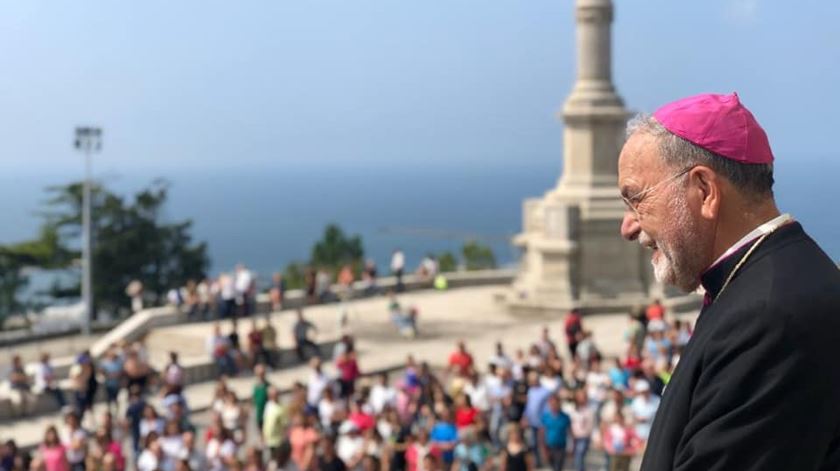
x=706, y=187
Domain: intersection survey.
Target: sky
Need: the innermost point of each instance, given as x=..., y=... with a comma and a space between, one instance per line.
x=199, y=85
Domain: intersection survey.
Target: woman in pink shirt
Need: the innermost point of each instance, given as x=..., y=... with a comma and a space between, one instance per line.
x=302, y=438
x=52, y=452
x=108, y=446
x=417, y=450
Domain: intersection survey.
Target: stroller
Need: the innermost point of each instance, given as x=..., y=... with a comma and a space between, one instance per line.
x=405, y=322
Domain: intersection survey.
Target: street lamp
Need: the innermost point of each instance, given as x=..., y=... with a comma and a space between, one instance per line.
x=88, y=140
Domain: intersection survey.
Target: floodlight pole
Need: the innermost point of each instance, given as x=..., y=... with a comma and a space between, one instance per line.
x=88, y=140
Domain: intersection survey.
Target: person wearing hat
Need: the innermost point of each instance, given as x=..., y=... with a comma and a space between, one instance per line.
x=756, y=386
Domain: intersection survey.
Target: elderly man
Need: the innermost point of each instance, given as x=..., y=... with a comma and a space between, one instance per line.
x=757, y=386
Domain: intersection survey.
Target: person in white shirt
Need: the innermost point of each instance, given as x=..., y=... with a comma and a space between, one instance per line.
x=397, y=267
x=644, y=408
x=151, y=458
x=498, y=388
x=227, y=291
x=476, y=389
x=597, y=385
x=220, y=450
x=243, y=284
x=583, y=424
x=172, y=445
x=318, y=381
x=234, y=417
x=151, y=422
x=45, y=381
x=350, y=445
x=329, y=409
x=323, y=285
x=428, y=267
x=586, y=349
x=518, y=365
x=500, y=358
x=382, y=394
x=202, y=291
x=74, y=439
x=134, y=290
x=175, y=297
x=173, y=375
x=552, y=379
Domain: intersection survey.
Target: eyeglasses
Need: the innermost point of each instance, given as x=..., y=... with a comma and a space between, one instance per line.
x=632, y=202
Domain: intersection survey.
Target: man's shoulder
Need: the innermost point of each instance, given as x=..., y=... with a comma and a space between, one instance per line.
x=796, y=266
x=793, y=281
x=784, y=304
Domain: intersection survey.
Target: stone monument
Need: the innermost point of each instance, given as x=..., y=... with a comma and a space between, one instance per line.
x=572, y=252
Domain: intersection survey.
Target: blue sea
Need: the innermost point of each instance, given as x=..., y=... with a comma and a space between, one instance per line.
x=267, y=218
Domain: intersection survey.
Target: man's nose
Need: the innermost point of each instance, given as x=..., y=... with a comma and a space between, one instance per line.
x=630, y=227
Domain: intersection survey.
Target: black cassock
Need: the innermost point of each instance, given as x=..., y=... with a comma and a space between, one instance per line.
x=758, y=385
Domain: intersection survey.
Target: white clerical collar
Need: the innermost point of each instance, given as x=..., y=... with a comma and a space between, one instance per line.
x=759, y=231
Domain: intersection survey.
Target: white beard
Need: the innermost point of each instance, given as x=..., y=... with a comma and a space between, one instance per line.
x=662, y=266
x=675, y=260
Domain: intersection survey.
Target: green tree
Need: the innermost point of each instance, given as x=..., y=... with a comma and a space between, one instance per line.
x=335, y=249
x=12, y=281
x=478, y=256
x=130, y=241
x=44, y=251
x=447, y=262
x=294, y=275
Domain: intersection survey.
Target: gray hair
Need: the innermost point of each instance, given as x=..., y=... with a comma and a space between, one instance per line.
x=751, y=179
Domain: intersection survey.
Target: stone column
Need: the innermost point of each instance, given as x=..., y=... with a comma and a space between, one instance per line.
x=594, y=59
x=573, y=254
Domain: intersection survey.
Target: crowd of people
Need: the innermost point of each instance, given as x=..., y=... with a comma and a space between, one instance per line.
x=519, y=411
x=539, y=407
x=234, y=294
x=557, y=402
x=123, y=365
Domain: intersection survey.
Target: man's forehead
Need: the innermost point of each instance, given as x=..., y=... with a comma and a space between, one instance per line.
x=636, y=152
x=639, y=158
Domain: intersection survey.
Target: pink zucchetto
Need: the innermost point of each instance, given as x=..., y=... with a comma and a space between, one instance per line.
x=719, y=124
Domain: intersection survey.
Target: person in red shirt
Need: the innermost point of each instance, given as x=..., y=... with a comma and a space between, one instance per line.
x=256, y=352
x=460, y=361
x=348, y=373
x=360, y=416
x=572, y=326
x=633, y=361
x=465, y=413
x=655, y=311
